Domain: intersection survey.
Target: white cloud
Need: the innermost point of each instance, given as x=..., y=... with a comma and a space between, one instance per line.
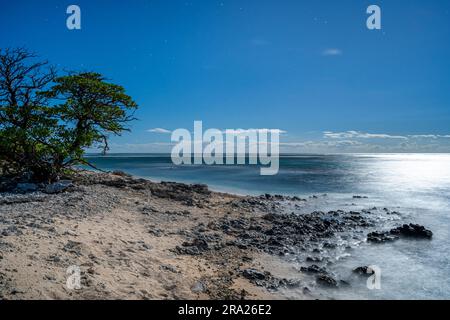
x=429, y=136
x=328, y=142
x=360, y=135
x=248, y=131
x=322, y=144
x=159, y=130
x=228, y=131
x=424, y=136
x=332, y=52
x=351, y=134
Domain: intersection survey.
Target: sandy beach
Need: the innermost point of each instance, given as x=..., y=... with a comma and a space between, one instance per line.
x=135, y=239
x=124, y=239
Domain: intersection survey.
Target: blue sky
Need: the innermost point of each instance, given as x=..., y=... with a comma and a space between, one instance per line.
x=309, y=68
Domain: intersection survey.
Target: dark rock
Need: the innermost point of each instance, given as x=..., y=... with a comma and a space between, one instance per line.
x=26, y=187
x=190, y=195
x=200, y=243
x=314, y=259
x=58, y=187
x=407, y=230
x=380, y=237
x=289, y=283
x=253, y=274
x=121, y=173
x=156, y=232
x=148, y=210
x=54, y=258
x=329, y=245
x=193, y=251
x=73, y=247
x=412, y=230
x=196, y=247
x=238, y=243
x=265, y=279
x=11, y=231
x=201, y=188
x=169, y=267
x=326, y=280
x=362, y=270
x=313, y=269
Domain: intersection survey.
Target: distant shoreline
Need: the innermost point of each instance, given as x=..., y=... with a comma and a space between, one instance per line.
x=91, y=154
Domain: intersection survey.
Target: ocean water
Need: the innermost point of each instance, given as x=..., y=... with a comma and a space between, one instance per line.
x=416, y=185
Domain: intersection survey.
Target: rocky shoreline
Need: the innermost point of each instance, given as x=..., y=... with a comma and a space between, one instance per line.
x=135, y=239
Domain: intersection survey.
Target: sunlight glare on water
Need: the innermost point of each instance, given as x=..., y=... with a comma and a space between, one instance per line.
x=412, y=171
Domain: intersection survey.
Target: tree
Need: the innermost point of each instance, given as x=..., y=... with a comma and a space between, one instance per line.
x=24, y=117
x=47, y=122
x=92, y=109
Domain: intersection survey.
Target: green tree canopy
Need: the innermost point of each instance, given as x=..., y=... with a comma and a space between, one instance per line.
x=47, y=122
